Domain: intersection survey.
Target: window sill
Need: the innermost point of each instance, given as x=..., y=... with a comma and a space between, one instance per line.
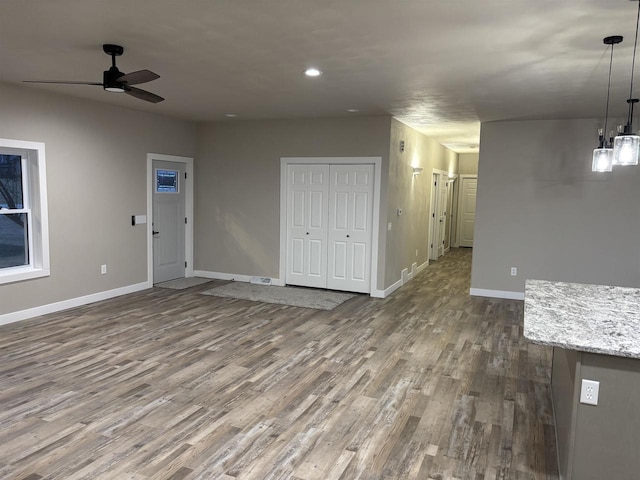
x=18, y=274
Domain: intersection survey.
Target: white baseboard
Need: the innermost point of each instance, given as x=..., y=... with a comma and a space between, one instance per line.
x=482, y=292
x=377, y=293
x=232, y=276
x=422, y=267
x=72, y=302
x=392, y=288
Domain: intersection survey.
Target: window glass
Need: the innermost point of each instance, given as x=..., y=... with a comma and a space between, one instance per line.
x=24, y=230
x=167, y=181
x=11, y=194
x=14, y=241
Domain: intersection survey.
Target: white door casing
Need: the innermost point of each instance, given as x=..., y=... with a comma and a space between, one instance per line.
x=349, y=236
x=307, y=218
x=467, y=210
x=185, y=164
x=168, y=222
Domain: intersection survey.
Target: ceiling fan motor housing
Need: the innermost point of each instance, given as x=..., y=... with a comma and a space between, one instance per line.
x=110, y=80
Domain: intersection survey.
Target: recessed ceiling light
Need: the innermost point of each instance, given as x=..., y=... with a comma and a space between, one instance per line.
x=352, y=110
x=231, y=115
x=312, y=72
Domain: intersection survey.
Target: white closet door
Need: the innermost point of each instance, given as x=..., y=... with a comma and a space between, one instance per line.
x=467, y=216
x=307, y=217
x=350, y=219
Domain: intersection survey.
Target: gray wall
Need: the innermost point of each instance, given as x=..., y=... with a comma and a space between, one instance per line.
x=410, y=231
x=96, y=179
x=237, y=228
x=540, y=208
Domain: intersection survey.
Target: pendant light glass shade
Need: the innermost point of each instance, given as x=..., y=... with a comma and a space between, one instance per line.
x=626, y=149
x=602, y=160
x=603, y=155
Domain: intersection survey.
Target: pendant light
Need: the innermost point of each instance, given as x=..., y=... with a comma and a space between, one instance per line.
x=626, y=146
x=603, y=155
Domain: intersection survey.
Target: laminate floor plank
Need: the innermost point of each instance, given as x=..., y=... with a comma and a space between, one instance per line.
x=428, y=383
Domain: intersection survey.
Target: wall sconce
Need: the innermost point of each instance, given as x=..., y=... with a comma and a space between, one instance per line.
x=417, y=170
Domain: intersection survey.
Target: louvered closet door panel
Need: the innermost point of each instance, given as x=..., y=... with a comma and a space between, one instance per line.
x=307, y=217
x=350, y=218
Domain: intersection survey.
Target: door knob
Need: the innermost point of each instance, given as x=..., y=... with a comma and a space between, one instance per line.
x=154, y=232
x=307, y=233
x=347, y=236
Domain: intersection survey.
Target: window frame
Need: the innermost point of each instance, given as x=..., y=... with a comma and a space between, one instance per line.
x=34, y=205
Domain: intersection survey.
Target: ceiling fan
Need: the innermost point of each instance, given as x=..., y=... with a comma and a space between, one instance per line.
x=113, y=80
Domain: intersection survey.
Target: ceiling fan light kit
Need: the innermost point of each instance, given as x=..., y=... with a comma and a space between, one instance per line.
x=113, y=80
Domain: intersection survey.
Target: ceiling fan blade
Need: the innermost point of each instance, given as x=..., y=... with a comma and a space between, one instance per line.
x=142, y=94
x=141, y=76
x=62, y=82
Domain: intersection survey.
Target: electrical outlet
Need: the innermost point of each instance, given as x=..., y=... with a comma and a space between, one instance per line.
x=103, y=269
x=514, y=271
x=589, y=392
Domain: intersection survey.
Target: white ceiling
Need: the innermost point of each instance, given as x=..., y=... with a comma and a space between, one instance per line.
x=441, y=66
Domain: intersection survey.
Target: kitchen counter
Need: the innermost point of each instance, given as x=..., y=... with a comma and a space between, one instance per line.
x=588, y=318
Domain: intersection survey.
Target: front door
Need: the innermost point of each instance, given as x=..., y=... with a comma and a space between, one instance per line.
x=168, y=220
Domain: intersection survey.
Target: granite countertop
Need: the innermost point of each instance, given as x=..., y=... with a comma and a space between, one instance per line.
x=589, y=318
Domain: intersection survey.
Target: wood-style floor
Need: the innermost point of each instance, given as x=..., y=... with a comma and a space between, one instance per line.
x=428, y=383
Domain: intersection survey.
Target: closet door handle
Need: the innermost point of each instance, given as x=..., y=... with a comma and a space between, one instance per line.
x=347, y=236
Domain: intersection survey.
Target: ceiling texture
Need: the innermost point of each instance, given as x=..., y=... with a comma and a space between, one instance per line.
x=440, y=66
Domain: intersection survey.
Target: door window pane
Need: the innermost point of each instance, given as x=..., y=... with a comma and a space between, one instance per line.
x=14, y=241
x=11, y=195
x=166, y=181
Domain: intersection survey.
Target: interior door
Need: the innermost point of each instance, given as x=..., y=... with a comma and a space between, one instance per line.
x=467, y=216
x=307, y=217
x=168, y=221
x=442, y=214
x=350, y=220
x=449, y=214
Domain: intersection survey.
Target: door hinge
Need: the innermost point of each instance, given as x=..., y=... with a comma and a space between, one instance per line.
x=185, y=175
x=185, y=219
x=432, y=245
x=433, y=215
x=185, y=264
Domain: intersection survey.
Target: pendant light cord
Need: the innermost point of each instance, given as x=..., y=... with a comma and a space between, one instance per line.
x=606, y=113
x=633, y=64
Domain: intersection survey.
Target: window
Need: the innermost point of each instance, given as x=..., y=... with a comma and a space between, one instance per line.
x=167, y=181
x=24, y=242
